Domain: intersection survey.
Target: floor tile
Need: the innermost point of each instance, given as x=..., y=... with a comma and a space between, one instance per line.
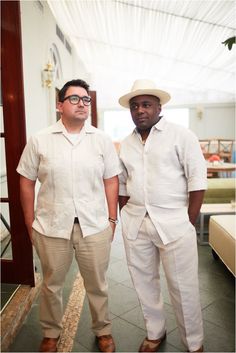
x=206, y=260
x=207, y=297
x=117, y=250
x=127, y=336
x=113, y=259
x=128, y=283
x=221, y=313
x=118, y=271
x=175, y=340
x=218, y=339
x=122, y=299
x=135, y=317
x=111, y=282
x=28, y=339
x=216, y=283
x=79, y=348
x=7, y=290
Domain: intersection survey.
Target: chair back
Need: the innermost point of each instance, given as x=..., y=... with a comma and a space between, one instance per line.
x=225, y=149
x=205, y=145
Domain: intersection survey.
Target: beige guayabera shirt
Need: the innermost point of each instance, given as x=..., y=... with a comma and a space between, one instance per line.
x=71, y=179
x=158, y=176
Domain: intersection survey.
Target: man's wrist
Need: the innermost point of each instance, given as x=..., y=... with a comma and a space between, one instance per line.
x=113, y=220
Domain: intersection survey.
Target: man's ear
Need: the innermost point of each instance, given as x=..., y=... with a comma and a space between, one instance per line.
x=59, y=107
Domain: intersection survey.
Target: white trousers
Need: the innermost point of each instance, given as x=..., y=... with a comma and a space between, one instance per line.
x=180, y=264
x=92, y=254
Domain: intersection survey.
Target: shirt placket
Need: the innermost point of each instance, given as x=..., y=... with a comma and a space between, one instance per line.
x=74, y=177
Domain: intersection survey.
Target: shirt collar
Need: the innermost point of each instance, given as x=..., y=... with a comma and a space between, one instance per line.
x=160, y=125
x=58, y=127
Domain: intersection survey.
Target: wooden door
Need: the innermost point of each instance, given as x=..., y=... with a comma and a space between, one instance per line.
x=20, y=268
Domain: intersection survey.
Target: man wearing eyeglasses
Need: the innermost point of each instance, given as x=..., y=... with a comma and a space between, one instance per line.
x=76, y=212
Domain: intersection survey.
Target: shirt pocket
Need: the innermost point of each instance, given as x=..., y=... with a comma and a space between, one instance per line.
x=53, y=168
x=89, y=174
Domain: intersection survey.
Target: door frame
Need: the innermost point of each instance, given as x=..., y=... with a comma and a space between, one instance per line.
x=20, y=269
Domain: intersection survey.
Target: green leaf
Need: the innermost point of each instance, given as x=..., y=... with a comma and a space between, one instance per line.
x=229, y=42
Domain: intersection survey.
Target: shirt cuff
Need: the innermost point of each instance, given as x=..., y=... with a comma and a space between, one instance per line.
x=197, y=184
x=25, y=174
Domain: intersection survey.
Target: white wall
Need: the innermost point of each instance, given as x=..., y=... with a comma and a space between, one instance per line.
x=38, y=36
x=213, y=121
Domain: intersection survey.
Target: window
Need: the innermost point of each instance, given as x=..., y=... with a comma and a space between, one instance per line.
x=178, y=116
x=118, y=123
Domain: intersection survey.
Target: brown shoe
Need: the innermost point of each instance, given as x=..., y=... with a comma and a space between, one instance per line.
x=198, y=350
x=151, y=345
x=48, y=345
x=106, y=343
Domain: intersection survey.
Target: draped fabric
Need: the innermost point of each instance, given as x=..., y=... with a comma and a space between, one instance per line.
x=178, y=44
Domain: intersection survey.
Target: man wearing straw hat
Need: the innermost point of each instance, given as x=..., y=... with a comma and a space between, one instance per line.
x=161, y=191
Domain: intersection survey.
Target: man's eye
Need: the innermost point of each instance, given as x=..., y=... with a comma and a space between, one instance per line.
x=146, y=105
x=133, y=106
x=74, y=98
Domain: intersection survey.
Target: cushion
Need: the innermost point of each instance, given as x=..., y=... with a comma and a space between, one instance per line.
x=222, y=238
x=220, y=190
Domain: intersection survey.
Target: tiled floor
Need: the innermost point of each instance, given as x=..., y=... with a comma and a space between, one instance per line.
x=7, y=291
x=217, y=300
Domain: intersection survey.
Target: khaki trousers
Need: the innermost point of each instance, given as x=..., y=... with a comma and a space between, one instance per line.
x=92, y=254
x=180, y=263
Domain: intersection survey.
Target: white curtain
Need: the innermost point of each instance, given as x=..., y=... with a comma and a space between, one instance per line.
x=178, y=44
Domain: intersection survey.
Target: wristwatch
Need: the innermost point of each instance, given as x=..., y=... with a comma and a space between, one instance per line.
x=112, y=220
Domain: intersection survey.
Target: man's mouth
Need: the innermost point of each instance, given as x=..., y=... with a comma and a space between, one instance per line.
x=141, y=119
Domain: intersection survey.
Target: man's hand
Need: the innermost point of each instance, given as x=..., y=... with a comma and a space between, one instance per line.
x=113, y=227
x=195, y=203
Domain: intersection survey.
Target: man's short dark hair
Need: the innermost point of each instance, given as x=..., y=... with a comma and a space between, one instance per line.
x=73, y=83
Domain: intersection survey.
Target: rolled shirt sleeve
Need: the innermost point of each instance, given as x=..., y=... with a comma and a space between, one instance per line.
x=194, y=164
x=29, y=161
x=111, y=160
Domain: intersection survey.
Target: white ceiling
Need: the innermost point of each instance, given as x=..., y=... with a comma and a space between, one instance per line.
x=176, y=43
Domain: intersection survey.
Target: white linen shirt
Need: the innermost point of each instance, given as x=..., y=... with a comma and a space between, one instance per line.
x=157, y=176
x=71, y=179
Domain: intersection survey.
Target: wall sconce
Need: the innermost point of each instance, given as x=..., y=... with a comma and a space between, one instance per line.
x=48, y=75
x=199, y=112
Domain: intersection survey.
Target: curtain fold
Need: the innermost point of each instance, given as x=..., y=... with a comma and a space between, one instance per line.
x=178, y=44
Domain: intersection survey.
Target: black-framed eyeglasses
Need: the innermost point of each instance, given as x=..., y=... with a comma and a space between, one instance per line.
x=75, y=99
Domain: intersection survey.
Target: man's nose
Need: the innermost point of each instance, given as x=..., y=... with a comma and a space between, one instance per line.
x=80, y=102
x=140, y=109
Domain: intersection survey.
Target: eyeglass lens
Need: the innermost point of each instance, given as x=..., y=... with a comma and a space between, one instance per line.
x=74, y=99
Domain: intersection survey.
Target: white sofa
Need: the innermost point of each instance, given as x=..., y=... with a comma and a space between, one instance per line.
x=222, y=236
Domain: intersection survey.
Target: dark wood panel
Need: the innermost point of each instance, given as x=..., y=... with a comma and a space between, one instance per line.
x=20, y=269
x=94, y=119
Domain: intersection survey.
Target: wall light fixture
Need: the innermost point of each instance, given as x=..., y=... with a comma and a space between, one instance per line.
x=48, y=75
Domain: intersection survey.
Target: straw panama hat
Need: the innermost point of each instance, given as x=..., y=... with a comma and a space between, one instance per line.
x=144, y=87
